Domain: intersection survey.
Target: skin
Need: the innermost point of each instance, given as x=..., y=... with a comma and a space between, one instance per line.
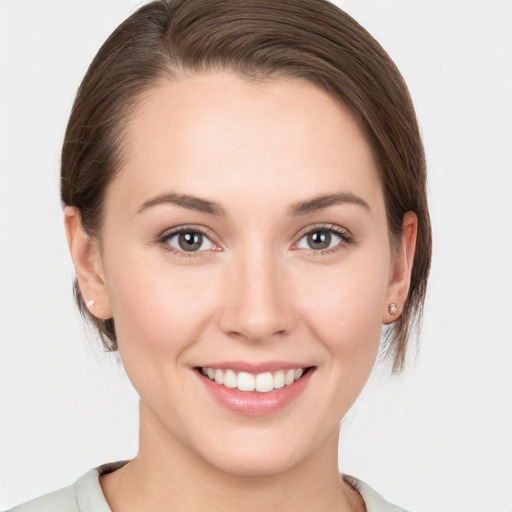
x=257, y=292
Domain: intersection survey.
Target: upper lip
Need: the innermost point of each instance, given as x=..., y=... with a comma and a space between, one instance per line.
x=255, y=367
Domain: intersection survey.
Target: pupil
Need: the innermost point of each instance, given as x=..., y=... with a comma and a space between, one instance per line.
x=319, y=239
x=190, y=241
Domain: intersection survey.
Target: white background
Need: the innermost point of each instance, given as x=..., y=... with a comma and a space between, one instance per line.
x=439, y=438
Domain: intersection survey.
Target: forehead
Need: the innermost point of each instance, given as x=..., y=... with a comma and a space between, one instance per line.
x=219, y=134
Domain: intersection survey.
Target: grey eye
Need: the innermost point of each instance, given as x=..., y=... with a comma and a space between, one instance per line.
x=190, y=241
x=319, y=240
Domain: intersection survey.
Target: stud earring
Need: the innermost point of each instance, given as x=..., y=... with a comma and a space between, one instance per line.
x=90, y=304
x=393, y=309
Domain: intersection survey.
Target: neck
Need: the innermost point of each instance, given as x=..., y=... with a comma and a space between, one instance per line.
x=168, y=475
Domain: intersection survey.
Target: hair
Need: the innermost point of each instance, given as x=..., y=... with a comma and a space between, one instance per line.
x=311, y=40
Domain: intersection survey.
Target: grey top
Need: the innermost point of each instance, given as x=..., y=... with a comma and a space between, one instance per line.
x=85, y=495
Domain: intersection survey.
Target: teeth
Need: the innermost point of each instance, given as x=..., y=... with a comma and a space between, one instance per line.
x=230, y=379
x=219, y=376
x=262, y=382
x=279, y=379
x=245, y=381
x=289, y=377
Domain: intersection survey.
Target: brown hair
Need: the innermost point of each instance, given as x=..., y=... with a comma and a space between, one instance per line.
x=306, y=39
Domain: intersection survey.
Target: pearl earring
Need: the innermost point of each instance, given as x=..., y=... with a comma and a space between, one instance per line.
x=393, y=309
x=90, y=304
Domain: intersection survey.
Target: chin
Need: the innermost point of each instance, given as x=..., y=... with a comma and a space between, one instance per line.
x=258, y=453
x=246, y=464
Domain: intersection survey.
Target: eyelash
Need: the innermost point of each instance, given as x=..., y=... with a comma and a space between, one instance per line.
x=163, y=240
x=344, y=235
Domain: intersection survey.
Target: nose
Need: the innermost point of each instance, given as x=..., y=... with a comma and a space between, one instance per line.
x=258, y=303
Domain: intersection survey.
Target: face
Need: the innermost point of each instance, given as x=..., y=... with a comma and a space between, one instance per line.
x=245, y=237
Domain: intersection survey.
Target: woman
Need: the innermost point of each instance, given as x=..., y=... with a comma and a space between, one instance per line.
x=245, y=205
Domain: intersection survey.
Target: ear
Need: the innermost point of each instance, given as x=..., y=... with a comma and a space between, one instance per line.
x=86, y=256
x=401, y=268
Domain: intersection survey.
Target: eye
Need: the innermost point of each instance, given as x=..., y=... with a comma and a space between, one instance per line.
x=321, y=239
x=189, y=241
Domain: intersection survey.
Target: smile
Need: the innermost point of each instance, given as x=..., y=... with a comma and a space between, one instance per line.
x=261, y=382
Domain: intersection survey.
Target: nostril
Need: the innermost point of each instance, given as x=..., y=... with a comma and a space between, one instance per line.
x=256, y=308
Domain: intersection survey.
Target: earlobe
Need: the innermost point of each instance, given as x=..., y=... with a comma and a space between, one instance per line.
x=86, y=256
x=400, y=281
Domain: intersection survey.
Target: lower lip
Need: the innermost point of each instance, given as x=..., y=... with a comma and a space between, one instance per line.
x=252, y=402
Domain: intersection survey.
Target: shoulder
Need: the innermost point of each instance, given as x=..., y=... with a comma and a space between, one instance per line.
x=85, y=495
x=374, y=502
x=58, y=501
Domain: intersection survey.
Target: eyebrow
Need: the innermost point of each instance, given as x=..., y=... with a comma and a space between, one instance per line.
x=185, y=201
x=324, y=201
x=299, y=208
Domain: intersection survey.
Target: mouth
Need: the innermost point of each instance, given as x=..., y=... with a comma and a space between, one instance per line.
x=264, y=382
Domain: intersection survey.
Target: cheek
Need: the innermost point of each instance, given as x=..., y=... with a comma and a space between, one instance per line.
x=344, y=306
x=157, y=308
